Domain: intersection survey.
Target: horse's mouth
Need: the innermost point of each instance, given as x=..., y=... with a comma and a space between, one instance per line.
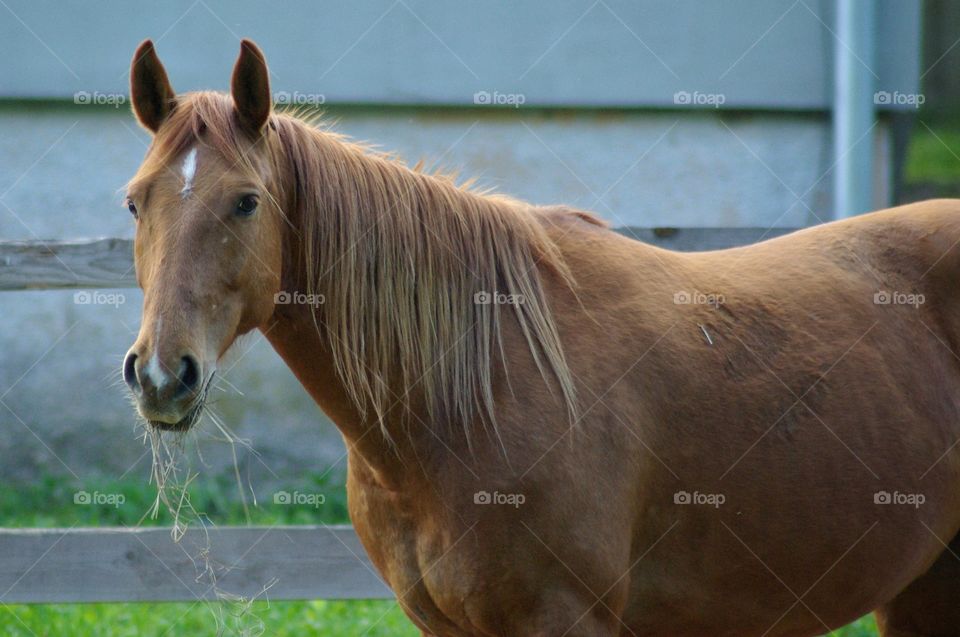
x=182, y=425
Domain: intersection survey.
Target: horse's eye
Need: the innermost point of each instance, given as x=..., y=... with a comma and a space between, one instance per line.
x=247, y=204
x=132, y=207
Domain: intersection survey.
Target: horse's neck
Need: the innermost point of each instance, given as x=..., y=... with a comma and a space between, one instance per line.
x=295, y=338
x=309, y=346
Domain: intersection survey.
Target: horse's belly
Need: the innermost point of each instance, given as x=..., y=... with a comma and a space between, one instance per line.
x=770, y=551
x=736, y=586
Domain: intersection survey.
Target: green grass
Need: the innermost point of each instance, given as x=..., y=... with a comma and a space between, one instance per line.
x=333, y=619
x=50, y=503
x=934, y=153
x=932, y=166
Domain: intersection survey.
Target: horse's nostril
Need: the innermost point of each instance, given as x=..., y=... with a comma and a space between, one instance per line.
x=189, y=374
x=130, y=372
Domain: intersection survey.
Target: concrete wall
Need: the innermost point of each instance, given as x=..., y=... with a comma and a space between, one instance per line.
x=63, y=167
x=758, y=53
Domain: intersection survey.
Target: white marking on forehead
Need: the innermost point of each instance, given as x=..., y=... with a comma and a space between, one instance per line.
x=189, y=171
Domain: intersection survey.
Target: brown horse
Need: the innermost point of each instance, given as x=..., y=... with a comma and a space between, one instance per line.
x=553, y=429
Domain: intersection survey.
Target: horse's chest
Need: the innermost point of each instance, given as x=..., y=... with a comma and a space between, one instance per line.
x=413, y=557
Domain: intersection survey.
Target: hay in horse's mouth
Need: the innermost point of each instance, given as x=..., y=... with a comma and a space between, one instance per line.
x=184, y=423
x=192, y=415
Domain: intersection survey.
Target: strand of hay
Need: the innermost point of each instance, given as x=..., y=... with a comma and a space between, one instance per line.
x=232, y=613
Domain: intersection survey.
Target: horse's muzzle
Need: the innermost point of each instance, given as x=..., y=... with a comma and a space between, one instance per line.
x=167, y=400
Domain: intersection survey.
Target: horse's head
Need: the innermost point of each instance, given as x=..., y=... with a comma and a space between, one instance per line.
x=208, y=231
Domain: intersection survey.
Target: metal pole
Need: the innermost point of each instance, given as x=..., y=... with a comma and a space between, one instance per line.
x=853, y=108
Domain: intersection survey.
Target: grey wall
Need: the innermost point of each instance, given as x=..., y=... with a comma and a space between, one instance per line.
x=62, y=167
x=758, y=53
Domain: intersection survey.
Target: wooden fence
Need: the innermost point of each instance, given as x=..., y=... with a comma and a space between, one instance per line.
x=145, y=564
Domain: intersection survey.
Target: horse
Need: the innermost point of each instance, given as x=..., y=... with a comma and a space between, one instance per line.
x=553, y=429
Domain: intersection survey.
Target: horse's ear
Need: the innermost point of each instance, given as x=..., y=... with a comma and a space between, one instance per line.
x=250, y=87
x=150, y=90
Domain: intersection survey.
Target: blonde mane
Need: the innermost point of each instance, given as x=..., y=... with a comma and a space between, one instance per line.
x=400, y=257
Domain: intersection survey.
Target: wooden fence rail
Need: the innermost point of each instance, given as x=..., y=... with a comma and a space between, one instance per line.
x=108, y=263
x=144, y=564
x=94, y=263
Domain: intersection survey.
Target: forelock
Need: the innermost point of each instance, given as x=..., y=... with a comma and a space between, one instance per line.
x=204, y=118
